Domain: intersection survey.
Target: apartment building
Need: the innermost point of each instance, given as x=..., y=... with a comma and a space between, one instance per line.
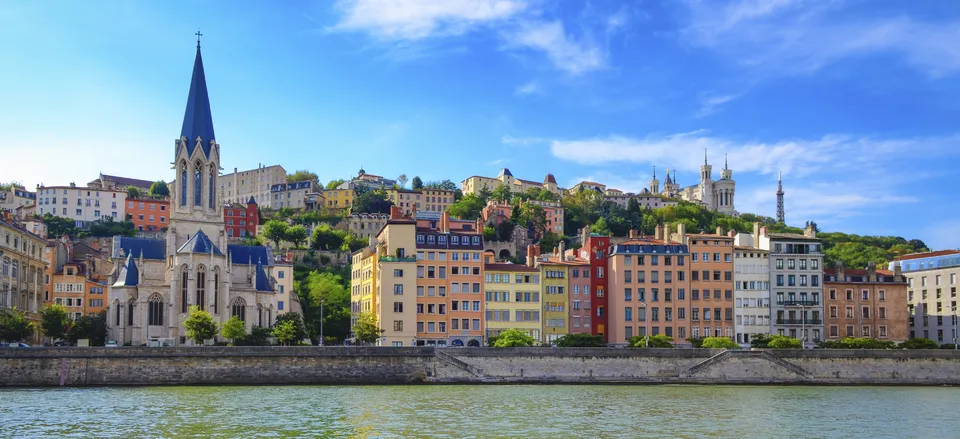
x=595, y=249
x=711, y=282
x=476, y=184
x=339, y=199
x=512, y=298
x=16, y=197
x=21, y=268
x=81, y=204
x=69, y=288
x=364, y=225
x=932, y=293
x=751, y=275
x=409, y=201
x=286, y=298
x=868, y=303
x=241, y=220
x=240, y=186
x=579, y=295
x=556, y=272
x=148, y=214
x=292, y=195
x=554, y=214
x=436, y=200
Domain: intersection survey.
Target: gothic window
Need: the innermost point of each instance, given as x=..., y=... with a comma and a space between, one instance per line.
x=201, y=283
x=210, y=185
x=197, y=185
x=155, y=310
x=130, y=313
x=183, y=183
x=239, y=309
x=216, y=289
x=259, y=315
x=116, y=308
x=184, y=275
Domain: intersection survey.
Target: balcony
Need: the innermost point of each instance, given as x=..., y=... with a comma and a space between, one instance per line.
x=398, y=259
x=799, y=322
x=801, y=303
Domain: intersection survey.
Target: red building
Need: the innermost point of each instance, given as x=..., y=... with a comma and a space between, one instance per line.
x=148, y=214
x=596, y=249
x=241, y=220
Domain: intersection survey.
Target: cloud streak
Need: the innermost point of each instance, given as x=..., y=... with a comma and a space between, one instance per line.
x=530, y=88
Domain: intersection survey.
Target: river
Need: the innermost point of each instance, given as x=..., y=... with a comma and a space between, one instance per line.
x=517, y=411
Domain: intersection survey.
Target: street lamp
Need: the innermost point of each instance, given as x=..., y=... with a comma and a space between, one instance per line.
x=321, y=323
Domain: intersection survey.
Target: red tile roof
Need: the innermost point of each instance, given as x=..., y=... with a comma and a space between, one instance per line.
x=927, y=254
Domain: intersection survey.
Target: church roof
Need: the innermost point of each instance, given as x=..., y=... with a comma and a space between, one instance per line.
x=251, y=200
x=125, y=181
x=197, y=119
x=129, y=274
x=249, y=254
x=150, y=248
x=549, y=179
x=504, y=172
x=263, y=282
x=199, y=243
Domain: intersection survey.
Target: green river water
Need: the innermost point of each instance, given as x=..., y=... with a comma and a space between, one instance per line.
x=514, y=411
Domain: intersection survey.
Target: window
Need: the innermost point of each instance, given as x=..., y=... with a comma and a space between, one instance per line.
x=238, y=309
x=154, y=311
x=201, y=286
x=184, y=275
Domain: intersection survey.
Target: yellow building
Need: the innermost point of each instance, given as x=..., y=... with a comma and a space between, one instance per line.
x=286, y=300
x=338, y=198
x=512, y=298
x=21, y=268
x=476, y=183
x=421, y=200
x=555, y=289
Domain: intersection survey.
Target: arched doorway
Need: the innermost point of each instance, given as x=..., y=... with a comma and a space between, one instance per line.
x=456, y=343
x=504, y=254
x=474, y=343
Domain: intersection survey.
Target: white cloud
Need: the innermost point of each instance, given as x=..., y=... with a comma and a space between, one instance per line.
x=563, y=50
x=796, y=37
x=530, y=88
x=418, y=19
x=710, y=104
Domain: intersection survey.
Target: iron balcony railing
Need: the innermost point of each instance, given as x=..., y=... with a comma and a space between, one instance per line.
x=799, y=321
x=801, y=303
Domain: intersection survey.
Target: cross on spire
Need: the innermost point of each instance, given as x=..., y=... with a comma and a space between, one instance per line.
x=198, y=34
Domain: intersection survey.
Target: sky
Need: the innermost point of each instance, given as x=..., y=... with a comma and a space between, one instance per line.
x=856, y=102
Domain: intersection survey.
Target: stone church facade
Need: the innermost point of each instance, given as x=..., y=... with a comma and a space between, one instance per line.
x=716, y=195
x=156, y=281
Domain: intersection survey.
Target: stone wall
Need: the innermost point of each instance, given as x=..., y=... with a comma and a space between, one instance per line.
x=357, y=365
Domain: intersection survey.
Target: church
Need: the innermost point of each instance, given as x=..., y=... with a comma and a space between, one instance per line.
x=715, y=195
x=155, y=281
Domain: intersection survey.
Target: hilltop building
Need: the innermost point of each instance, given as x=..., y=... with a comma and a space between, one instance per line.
x=475, y=184
x=716, y=195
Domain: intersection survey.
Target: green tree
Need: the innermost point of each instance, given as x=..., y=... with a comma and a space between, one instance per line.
x=233, y=329
x=199, y=326
x=332, y=184
x=296, y=234
x=402, y=180
x=285, y=332
x=107, y=227
x=489, y=233
x=258, y=336
x=532, y=215
x=328, y=238
x=416, y=184
x=513, y=338
x=501, y=193
x=159, y=189
x=719, y=343
x=333, y=291
x=784, y=342
x=14, y=325
x=919, y=343
x=468, y=208
x=652, y=341
x=54, y=322
x=302, y=175
x=59, y=226
x=600, y=227
x=300, y=331
x=549, y=241
x=366, y=330
x=93, y=328
x=696, y=342
x=133, y=192
x=580, y=341
x=371, y=202
x=276, y=231
x=760, y=341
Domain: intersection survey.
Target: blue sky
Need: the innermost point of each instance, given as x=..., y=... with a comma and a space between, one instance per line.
x=857, y=102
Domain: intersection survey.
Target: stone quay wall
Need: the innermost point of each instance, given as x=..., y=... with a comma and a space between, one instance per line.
x=135, y=366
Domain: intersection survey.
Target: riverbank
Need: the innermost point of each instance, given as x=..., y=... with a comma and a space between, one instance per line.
x=136, y=366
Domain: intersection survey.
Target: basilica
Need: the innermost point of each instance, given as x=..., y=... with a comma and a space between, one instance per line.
x=156, y=281
x=714, y=195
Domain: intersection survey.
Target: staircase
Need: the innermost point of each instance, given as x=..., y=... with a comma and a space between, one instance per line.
x=706, y=363
x=786, y=364
x=439, y=354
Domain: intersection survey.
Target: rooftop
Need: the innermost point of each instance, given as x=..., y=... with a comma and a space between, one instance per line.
x=791, y=236
x=125, y=181
x=927, y=254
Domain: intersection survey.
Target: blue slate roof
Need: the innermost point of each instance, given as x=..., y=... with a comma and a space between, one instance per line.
x=197, y=120
x=199, y=243
x=129, y=274
x=263, y=282
x=249, y=254
x=251, y=200
x=150, y=248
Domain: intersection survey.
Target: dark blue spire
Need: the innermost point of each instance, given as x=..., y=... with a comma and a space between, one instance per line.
x=197, y=120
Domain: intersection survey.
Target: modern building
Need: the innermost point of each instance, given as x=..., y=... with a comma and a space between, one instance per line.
x=240, y=186
x=81, y=204
x=932, y=293
x=751, y=275
x=292, y=195
x=17, y=197
x=364, y=225
x=114, y=183
x=711, y=282
x=868, y=303
x=156, y=281
x=241, y=220
x=512, y=293
x=148, y=214
x=21, y=268
x=475, y=184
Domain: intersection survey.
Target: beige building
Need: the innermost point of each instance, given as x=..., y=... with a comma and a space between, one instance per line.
x=364, y=225
x=293, y=195
x=751, y=274
x=84, y=205
x=645, y=198
x=287, y=300
x=932, y=293
x=239, y=186
x=716, y=195
x=475, y=184
x=17, y=197
x=21, y=268
x=422, y=200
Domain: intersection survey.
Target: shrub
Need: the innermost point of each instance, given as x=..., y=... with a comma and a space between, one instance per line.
x=653, y=341
x=719, y=343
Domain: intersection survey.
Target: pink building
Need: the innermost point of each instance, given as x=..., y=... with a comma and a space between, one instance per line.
x=495, y=214
x=579, y=278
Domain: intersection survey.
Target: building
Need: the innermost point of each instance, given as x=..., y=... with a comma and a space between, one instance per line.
x=69, y=288
x=868, y=303
x=241, y=220
x=557, y=271
x=495, y=213
x=372, y=181
x=148, y=214
x=436, y=200
x=21, y=268
x=409, y=201
x=450, y=299
x=114, y=183
x=364, y=225
x=240, y=186
x=796, y=264
x=81, y=204
x=292, y=195
x=476, y=184
x=338, y=199
x=554, y=214
x=932, y=293
x=16, y=197
x=286, y=298
x=595, y=249
x=751, y=275
x=647, y=289
x=645, y=199
x=579, y=293
x=154, y=282
x=711, y=282
x=513, y=301
x=716, y=195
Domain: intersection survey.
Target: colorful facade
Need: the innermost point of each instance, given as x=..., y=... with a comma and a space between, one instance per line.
x=241, y=220
x=148, y=214
x=596, y=249
x=512, y=298
x=711, y=284
x=868, y=303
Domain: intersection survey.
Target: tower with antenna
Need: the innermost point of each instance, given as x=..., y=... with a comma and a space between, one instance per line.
x=780, y=198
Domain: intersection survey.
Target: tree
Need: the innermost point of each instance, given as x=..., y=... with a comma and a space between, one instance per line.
x=416, y=184
x=719, y=343
x=919, y=343
x=760, y=341
x=332, y=184
x=302, y=175
x=333, y=291
x=402, y=180
x=549, y=241
x=490, y=233
x=285, y=332
x=59, y=226
x=784, y=342
x=199, y=325
x=371, y=202
x=600, y=227
x=295, y=319
x=258, y=337
x=532, y=215
x=159, y=189
x=513, y=338
x=107, y=227
x=14, y=325
x=652, y=341
x=696, y=342
x=328, y=238
x=54, y=321
x=501, y=193
x=858, y=343
x=296, y=234
x=366, y=330
x=133, y=192
x=580, y=341
x=276, y=231
x=468, y=208
x=233, y=329
x=93, y=328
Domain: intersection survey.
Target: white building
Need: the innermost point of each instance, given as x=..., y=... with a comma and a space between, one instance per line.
x=292, y=195
x=82, y=204
x=239, y=186
x=932, y=294
x=716, y=195
x=751, y=275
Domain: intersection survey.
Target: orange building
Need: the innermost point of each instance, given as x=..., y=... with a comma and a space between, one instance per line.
x=69, y=287
x=711, y=283
x=450, y=299
x=148, y=214
x=866, y=303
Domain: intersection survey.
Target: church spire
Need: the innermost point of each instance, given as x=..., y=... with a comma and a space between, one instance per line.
x=725, y=162
x=654, y=172
x=705, y=156
x=197, y=119
x=780, y=197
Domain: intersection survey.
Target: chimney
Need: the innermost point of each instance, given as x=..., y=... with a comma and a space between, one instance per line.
x=841, y=277
x=732, y=233
x=810, y=231
x=658, y=232
x=394, y=212
x=489, y=257
x=682, y=231
x=413, y=210
x=756, y=234
x=763, y=231
x=666, y=233
x=445, y=222
x=719, y=231
x=897, y=272
x=633, y=234
x=563, y=249
x=871, y=272
x=533, y=252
